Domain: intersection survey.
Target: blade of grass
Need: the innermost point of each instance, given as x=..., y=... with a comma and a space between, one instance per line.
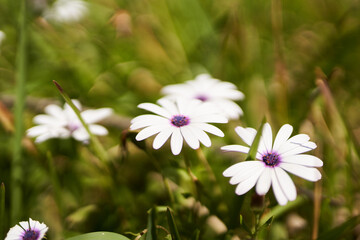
x=255, y=144
x=151, y=227
x=16, y=168
x=338, y=232
x=98, y=148
x=2, y=210
x=173, y=229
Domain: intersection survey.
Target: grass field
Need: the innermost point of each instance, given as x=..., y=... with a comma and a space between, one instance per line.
x=297, y=63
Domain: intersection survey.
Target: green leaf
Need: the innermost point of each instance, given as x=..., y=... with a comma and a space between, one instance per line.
x=2, y=210
x=254, y=146
x=151, y=227
x=244, y=226
x=173, y=229
x=339, y=231
x=99, y=236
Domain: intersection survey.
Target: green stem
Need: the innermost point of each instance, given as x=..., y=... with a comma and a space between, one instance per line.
x=2, y=211
x=194, y=179
x=16, y=168
x=98, y=148
x=55, y=182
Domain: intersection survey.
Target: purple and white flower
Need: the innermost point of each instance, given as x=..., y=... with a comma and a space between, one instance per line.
x=63, y=123
x=205, y=88
x=27, y=230
x=272, y=162
x=181, y=119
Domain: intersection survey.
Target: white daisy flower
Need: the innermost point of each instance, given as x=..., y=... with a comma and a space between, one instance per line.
x=272, y=161
x=27, y=230
x=66, y=11
x=181, y=119
x=205, y=88
x=63, y=123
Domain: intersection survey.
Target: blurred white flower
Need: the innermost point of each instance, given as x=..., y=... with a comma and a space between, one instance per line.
x=63, y=123
x=27, y=230
x=205, y=88
x=66, y=11
x=2, y=37
x=181, y=119
x=272, y=160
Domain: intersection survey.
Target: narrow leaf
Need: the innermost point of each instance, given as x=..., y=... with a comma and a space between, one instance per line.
x=151, y=227
x=99, y=236
x=254, y=146
x=173, y=229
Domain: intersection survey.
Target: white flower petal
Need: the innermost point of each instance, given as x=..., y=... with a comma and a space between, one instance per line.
x=147, y=120
x=246, y=134
x=95, y=115
x=297, y=149
x=235, y=148
x=282, y=136
x=161, y=138
x=238, y=167
x=209, y=128
x=169, y=106
x=149, y=131
x=49, y=120
x=190, y=138
x=267, y=138
x=98, y=130
x=37, y=130
x=247, y=172
x=155, y=109
x=247, y=184
x=81, y=134
x=201, y=135
x=286, y=184
x=308, y=173
x=176, y=142
x=304, y=160
x=264, y=182
x=54, y=110
x=215, y=118
x=278, y=192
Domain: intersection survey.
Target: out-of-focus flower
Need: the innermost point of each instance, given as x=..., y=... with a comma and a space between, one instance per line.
x=181, y=119
x=27, y=230
x=205, y=88
x=66, y=11
x=272, y=160
x=63, y=123
x=2, y=37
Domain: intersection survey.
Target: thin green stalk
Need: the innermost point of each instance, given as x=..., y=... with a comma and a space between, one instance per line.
x=98, y=148
x=55, y=182
x=16, y=168
x=2, y=210
x=194, y=179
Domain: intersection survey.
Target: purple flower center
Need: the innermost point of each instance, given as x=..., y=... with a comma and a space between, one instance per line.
x=73, y=126
x=202, y=98
x=271, y=159
x=180, y=120
x=31, y=235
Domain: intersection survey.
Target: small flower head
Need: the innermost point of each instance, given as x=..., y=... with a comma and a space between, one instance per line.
x=2, y=37
x=27, y=230
x=66, y=11
x=272, y=162
x=63, y=123
x=207, y=89
x=183, y=119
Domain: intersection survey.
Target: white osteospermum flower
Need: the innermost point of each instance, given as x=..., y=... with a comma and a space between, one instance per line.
x=27, y=230
x=63, y=123
x=66, y=11
x=205, y=88
x=183, y=119
x=272, y=161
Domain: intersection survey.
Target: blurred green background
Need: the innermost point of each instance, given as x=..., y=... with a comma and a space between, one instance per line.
x=297, y=62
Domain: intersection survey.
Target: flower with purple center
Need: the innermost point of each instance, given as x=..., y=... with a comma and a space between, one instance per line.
x=181, y=119
x=272, y=162
x=207, y=89
x=63, y=123
x=27, y=230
